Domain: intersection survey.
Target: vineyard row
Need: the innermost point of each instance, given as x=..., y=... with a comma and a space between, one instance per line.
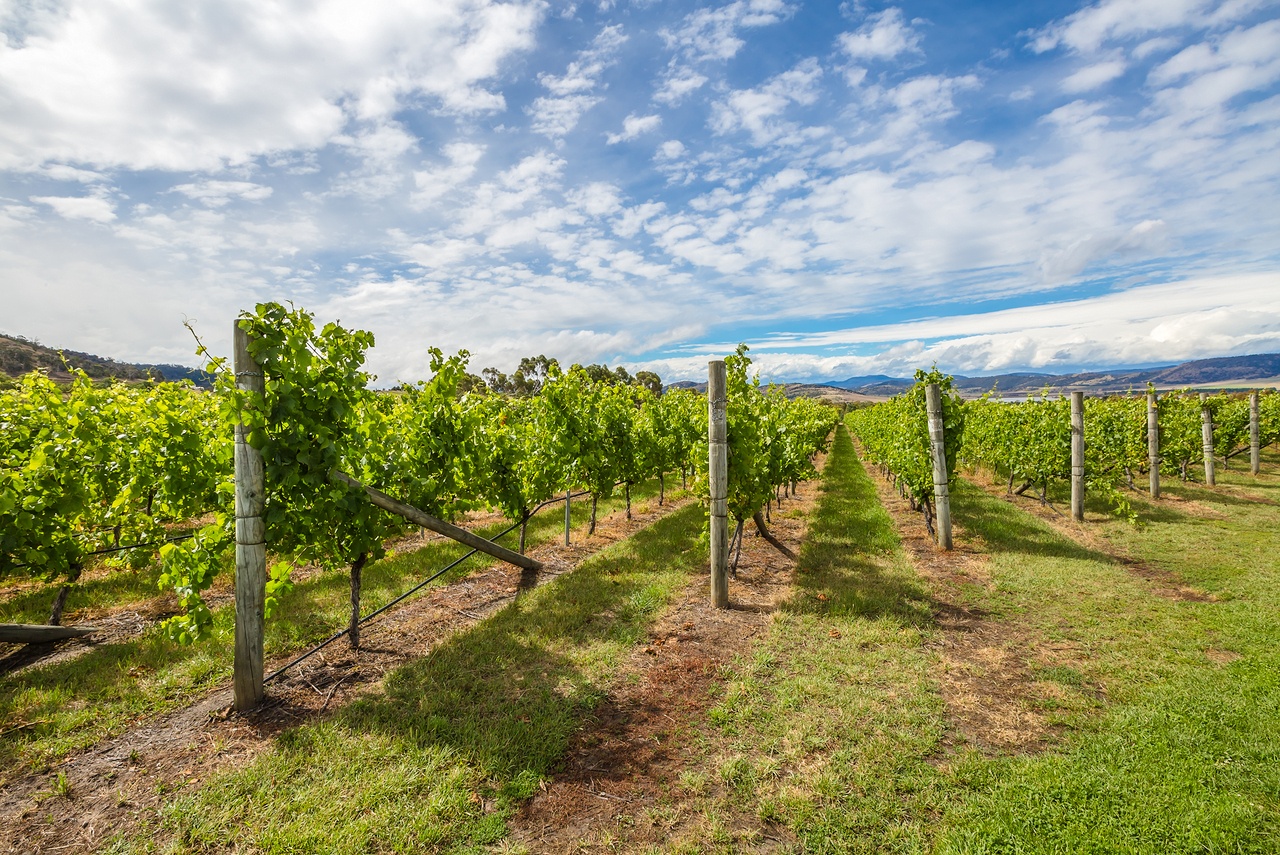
x=1031, y=443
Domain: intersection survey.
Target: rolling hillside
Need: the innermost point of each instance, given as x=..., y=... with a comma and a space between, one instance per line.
x=20, y=355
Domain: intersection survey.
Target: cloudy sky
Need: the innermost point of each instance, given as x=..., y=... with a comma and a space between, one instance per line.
x=849, y=188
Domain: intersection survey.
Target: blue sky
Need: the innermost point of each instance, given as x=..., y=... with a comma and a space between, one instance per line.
x=849, y=188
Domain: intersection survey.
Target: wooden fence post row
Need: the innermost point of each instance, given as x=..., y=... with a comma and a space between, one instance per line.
x=251, y=546
x=718, y=477
x=938, y=447
x=1077, y=456
x=1153, y=443
x=1255, y=447
x=1206, y=432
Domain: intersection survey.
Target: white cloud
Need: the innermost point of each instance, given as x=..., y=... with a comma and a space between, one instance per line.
x=597, y=199
x=671, y=149
x=132, y=83
x=1094, y=75
x=93, y=208
x=431, y=184
x=883, y=37
x=557, y=114
x=1205, y=77
x=1090, y=28
x=215, y=194
x=59, y=172
x=556, y=117
x=756, y=110
x=677, y=83
x=633, y=126
x=14, y=216
x=1164, y=323
x=713, y=34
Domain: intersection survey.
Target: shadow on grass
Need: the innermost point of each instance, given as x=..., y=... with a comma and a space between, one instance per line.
x=510, y=693
x=1005, y=528
x=117, y=586
x=1194, y=492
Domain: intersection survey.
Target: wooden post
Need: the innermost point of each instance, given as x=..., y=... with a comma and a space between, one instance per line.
x=1153, y=443
x=937, y=444
x=718, y=476
x=1255, y=443
x=1077, y=456
x=1206, y=431
x=568, y=497
x=21, y=633
x=251, y=546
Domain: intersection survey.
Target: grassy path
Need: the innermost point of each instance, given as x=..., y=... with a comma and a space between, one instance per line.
x=452, y=744
x=826, y=727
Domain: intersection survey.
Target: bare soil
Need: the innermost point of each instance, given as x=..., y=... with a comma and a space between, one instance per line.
x=984, y=673
x=119, y=784
x=618, y=783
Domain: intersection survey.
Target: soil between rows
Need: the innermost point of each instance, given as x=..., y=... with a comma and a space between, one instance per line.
x=118, y=785
x=616, y=782
x=984, y=677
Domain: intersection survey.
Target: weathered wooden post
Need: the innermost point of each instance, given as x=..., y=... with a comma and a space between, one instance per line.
x=1255, y=443
x=1077, y=456
x=1206, y=432
x=251, y=546
x=938, y=446
x=1153, y=443
x=718, y=476
x=568, y=497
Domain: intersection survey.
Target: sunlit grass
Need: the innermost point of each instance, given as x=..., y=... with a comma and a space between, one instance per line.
x=454, y=742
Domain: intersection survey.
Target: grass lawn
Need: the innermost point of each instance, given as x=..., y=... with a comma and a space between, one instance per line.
x=1182, y=642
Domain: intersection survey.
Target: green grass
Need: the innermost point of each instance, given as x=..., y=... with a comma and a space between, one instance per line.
x=103, y=588
x=50, y=711
x=827, y=725
x=1165, y=743
x=1183, y=757
x=453, y=743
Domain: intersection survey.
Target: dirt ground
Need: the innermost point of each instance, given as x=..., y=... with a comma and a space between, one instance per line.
x=984, y=674
x=118, y=784
x=615, y=782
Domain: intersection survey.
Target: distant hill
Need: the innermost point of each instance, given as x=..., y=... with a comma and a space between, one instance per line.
x=824, y=392
x=1226, y=369
x=20, y=355
x=1262, y=369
